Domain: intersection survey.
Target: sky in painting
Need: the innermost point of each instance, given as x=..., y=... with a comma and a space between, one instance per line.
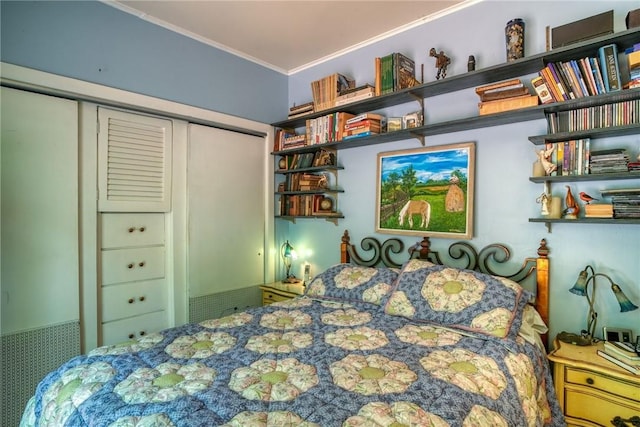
x=436, y=165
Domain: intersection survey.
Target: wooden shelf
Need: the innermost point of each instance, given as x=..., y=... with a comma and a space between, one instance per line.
x=578, y=178
x=588, y=220
x=309, y=169
x=318, y=191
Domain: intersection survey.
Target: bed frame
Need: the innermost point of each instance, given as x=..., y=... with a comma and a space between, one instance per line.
x=460, y=255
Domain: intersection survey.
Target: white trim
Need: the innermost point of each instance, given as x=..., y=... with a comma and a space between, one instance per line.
x=52, y=84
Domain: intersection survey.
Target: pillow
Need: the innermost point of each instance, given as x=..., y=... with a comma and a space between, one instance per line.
x=461, y=298
x=353, y=283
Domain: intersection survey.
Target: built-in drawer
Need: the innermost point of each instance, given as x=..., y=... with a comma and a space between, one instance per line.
x=132, y=299
x=134, y=327
x=127, y=265
x=123, y=230
x=598, y=407
x=271, y=297
x=602, y=382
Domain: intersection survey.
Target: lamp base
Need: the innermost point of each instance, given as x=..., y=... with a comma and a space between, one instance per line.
x=575, y=339
x=291, y=279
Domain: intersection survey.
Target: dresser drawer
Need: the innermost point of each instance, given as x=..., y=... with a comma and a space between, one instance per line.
x=603, y=382
x=271, y=297
x=134, y=327
x=122, y=230
x=595, y=406
x=133, y=299
x=127, y=265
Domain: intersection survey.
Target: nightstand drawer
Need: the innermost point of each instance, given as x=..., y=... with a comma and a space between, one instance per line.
x=271, y=297
x=601, y=408
x=597, y=381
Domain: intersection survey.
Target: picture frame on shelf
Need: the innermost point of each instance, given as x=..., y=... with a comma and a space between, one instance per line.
x=394, y=124
x=426, y=191
x=412, y=120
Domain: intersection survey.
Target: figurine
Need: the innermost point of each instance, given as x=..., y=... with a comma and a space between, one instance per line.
x=572, y=210
x=586, y=198
x=471, y=63
x=442, y=61
x=544, y=156
x=543, y=199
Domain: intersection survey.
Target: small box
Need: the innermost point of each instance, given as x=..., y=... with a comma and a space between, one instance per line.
x=584, y=29
x=633, y=19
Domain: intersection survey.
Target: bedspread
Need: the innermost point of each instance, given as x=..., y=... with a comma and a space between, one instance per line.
x=302, y=362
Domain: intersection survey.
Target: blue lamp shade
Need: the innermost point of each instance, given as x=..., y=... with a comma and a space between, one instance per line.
x=625, y=303
x=580, y=287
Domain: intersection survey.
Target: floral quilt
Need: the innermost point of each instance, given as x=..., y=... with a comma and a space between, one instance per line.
x=302, y=362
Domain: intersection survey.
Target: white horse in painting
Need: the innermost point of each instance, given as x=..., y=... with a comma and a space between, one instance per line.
x=421, y=207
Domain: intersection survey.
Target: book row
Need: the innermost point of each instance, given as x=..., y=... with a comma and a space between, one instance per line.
x=308, y=160
x=600, y=116
x=570, y=157
x=304, y=182
x=304, y=205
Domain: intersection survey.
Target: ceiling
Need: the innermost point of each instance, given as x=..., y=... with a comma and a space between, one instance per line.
x=287, y=36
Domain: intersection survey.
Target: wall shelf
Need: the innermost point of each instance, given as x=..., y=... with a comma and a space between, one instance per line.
x=578, y=178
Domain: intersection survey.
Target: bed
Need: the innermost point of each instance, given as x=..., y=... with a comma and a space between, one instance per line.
x=387, y=337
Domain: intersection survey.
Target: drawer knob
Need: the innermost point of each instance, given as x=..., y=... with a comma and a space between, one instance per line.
x=130, y=266
x=131, y=300
x=142, y=333
x=141, y=298
x=141, y=263
x=131, y=336
x=142, y=229
x=131, y=229
x=590, y=381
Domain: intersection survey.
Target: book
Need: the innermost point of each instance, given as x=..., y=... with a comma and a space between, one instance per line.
x=386, y=74
x=404, y=71
x=551, y=84
x=507, y=104
x=617, y=350
x=608, y=55
x=378, y=76
x=631, y=368
x=364, y=116
x=346, y=99
x=540, y=87
x=559, y=82
x=500, y=85
x=506, y=93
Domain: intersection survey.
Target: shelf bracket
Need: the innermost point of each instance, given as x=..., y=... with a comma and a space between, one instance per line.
x=418, y=137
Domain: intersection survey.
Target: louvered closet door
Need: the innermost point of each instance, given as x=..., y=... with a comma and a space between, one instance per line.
x=134, y=162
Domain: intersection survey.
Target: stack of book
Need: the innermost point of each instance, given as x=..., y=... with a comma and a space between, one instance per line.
x=609, y=161
x=598, y=210
x=356, y=94
x=309, y=181
x=622, y=354
x=504, y=96
x=287, y=138
x=326, y=90
x=633, y=63
x=626, y=202
x=300, y=110
x=326, y=129
x=394, y=72
x=362, y=125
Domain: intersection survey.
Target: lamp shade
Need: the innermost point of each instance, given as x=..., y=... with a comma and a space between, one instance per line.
x=625, y=303
x=580, y=287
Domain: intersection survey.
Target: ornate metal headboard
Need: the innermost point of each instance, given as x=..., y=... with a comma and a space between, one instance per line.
x=460, y=255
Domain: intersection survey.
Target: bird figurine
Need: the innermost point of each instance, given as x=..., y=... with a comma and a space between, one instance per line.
x=572, y=210
x=586, y=198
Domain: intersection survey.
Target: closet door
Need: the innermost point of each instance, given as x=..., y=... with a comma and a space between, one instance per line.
x=40, y=261
x=226, y=196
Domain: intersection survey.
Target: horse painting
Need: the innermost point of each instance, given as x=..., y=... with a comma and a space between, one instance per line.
x=413, y=207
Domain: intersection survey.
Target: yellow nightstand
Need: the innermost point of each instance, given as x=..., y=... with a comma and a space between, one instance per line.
x=592, y=391
x=278, y=291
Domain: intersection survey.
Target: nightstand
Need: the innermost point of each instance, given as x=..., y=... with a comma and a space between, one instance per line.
x=592, y=391
x=278, y=291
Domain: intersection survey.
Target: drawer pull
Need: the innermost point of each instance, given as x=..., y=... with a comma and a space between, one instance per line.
x=590, y=381
x=131, y=229
x=131, y=300
x=618, y=421
x=141, y=298
x=141, y=263
x=131, y=336
x=142, y=229
x=130, y=266
x=142, y=333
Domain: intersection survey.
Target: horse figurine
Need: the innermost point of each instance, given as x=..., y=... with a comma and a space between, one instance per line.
x=420, y=207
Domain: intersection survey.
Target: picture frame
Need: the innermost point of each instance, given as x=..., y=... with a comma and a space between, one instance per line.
x=427, y=191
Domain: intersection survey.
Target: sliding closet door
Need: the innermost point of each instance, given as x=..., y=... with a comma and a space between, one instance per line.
x=39, y=260
x=226, y=193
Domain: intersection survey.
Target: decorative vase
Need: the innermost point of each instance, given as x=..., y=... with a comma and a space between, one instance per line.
x=514, y=38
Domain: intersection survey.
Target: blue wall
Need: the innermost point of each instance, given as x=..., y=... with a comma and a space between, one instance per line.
x=504, y=197
x=94, y=42
x=91, y=41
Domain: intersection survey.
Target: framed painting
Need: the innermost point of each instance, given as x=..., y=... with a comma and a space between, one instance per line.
x=426, y=191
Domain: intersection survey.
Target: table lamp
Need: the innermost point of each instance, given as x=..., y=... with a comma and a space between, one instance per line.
x=288, y=255
x=581, y=287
